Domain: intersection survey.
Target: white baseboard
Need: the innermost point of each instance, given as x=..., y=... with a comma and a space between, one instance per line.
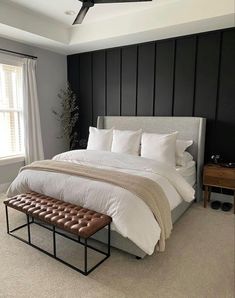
x=4, y=187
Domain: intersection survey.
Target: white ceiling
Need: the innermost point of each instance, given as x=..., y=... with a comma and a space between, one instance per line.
x=45, y=24
x=55, y=9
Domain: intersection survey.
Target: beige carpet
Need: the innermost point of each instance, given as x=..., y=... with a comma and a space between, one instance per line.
x=198, y=262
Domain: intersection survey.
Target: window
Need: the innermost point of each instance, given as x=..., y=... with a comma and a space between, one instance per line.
x=11, y=110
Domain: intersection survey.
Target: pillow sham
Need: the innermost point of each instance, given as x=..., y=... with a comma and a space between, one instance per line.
x=160, y=147
x=126, y=141
x=100, y=139
x=181, y=146
x=184, y=160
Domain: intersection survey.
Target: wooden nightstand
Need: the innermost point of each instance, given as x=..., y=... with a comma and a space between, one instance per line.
x=215, y=175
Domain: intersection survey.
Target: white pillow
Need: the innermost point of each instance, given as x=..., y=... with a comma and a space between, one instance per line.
x=181, y=146
x=160, y=147
x=100, y=139
x=184, y=160
x=126, y=141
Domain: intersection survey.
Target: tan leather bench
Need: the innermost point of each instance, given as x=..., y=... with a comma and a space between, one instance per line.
x=67, y=217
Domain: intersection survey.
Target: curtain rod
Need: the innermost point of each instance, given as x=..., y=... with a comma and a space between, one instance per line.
x=19, y=54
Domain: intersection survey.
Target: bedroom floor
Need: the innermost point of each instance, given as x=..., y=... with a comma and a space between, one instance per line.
x=198, y=262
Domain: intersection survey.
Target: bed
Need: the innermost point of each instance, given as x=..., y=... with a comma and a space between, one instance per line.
x=189, y=128
x=65, y=187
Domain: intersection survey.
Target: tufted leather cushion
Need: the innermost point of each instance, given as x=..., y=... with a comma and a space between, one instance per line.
x=72, y=218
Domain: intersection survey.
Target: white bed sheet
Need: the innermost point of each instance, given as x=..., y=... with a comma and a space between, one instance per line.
x=125, y=208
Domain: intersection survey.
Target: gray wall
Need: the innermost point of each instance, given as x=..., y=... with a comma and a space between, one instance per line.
x=8, y=173
x=51, y=77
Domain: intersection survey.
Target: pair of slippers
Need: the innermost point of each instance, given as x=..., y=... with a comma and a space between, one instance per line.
x=224, y=206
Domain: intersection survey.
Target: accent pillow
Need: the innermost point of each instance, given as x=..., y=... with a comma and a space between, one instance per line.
x=184, y=160
x=160, y=147
x=126, y=141
x=100, y=139
x=181, y=146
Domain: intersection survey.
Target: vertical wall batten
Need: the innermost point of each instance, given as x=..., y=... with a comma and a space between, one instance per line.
x=137, y=78
x=129, y=69
x=85, y=94
x=145, y=80
x=195, y=75
x=92, y=89
x=120, y=104
x=164, y=78
x=214, y=131
x=184, y=76
x=173, y=83
x=98, y=85
x=154, y=77
x=113, y=80
x=207, y=75
x=105, y=84
x=218, y=77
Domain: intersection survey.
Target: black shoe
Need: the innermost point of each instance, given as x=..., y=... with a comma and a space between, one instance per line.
x=215, y=205
x=226, y=206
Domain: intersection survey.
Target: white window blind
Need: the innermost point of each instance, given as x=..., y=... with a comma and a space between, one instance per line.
x=11, y=110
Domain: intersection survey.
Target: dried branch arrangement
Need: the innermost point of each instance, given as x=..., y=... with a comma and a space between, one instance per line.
x=68, y=116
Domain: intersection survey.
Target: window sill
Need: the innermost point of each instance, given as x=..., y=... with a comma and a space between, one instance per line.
x=11, y=159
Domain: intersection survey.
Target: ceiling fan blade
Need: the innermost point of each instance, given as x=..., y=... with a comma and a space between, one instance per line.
x=117, y=1
x=81, y=15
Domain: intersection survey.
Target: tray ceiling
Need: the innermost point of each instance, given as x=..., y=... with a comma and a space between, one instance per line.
x=44, y=23
x=55, y=9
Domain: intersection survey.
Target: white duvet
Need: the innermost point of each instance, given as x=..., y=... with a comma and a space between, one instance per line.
x=132, y=218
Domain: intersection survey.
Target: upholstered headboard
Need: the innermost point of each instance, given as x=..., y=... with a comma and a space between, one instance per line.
x=189, y=128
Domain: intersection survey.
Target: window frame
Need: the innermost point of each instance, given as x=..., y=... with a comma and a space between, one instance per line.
x=14, y=158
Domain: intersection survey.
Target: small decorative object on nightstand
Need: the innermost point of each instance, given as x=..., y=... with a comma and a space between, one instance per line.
x=218, y=176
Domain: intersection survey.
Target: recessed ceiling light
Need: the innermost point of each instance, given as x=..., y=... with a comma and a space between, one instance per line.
x=70, y=12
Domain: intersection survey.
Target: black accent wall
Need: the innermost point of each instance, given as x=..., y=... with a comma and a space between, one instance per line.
x=185, y=76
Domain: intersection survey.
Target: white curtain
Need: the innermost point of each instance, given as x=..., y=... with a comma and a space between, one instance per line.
x=32, y=126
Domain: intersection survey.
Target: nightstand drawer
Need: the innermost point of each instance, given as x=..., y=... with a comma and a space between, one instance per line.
x=219, y=181
x=219, y=172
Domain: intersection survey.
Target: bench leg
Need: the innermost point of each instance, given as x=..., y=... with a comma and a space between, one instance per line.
x=7, y=219
x=28, y=225
x=85, y=256
x=54, y=241
x=109, y=233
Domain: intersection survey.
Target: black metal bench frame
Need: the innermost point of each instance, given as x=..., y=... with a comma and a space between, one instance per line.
x=47, y=226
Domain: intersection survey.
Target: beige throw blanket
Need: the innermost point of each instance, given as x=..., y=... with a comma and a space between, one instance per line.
x=146, y=189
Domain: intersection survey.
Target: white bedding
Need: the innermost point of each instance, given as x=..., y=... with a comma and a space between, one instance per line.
x=125, y=208
x=188, y=172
